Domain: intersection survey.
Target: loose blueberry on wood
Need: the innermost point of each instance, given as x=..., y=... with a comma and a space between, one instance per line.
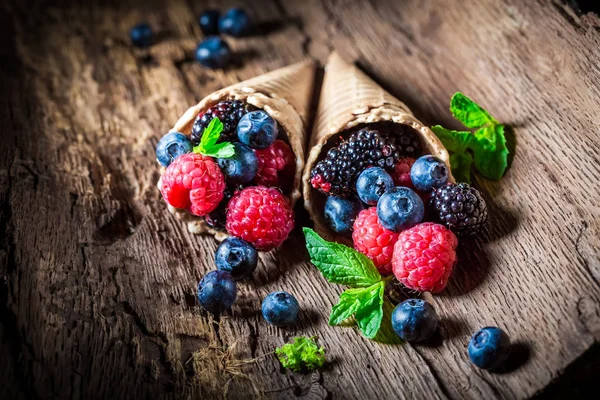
x=141, y=35
x=209, y=22
x=213, y=52
x=280, y=309
x=217, y=291
x=489, y=348
x=237, y=257
x=414, y=320
x=235, y=22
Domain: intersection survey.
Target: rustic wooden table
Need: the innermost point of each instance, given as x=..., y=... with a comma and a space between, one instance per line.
x=98, y=280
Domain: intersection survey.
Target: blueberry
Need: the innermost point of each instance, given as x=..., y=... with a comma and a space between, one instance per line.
x=209, y=22
x=237, y=257
x=235, y=22
x=372, y=183
x=242, y=167
x=217, y=291
x=400, y=208
x=428, y=173
x=171, y=146
x=414, y=320
x=280, y=309
x=141, y=35
x=257, y=129
x=340, y=213
x=489, y=348
x=213, y=52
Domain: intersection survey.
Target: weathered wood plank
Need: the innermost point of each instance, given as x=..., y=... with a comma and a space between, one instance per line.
x=100, y=278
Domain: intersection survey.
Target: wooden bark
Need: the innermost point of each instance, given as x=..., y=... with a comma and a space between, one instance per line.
x=97, y=279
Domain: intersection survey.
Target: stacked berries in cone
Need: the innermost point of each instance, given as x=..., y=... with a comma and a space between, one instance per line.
x=379, y=180
x=232, y=163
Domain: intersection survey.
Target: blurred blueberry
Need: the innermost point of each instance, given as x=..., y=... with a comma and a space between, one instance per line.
x=235, y=22
x=141, y=35
x=209, y=22
x=213, y=52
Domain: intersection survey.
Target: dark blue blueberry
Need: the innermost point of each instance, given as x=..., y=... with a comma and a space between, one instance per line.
x=237, y=257
x=209, y=22
x=217, y=291
x=171, y=146
x=141, y=35
x=213, y=52
x=340, y=213
x=242, y=167
x=257, y=129
x=372, y=183
x=414, y=320
x=280, y=309
x=428, y=173
x=400, y=208
x=489, y=348
x=235, y=22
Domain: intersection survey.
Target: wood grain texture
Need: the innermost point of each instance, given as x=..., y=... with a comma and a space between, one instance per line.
x=97, y=279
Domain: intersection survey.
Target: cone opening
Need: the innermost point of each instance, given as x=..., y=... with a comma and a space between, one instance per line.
x=388, y=128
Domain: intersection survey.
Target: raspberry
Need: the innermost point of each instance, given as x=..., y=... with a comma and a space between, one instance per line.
x=275, y=165
x=424, y=257
x=373, y=240
x=401, y=172
x=261, y=216
x=193, y=182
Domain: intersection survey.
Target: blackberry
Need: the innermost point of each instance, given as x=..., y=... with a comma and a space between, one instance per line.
x=407, y=143
x=337, y=173
x=229, y=112
x=217, y=218
x=460, y=207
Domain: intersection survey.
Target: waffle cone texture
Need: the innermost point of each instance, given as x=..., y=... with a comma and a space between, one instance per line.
x=286, y=95
x=350, y=98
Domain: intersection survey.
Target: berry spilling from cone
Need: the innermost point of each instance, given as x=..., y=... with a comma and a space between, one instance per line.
x=234, y=171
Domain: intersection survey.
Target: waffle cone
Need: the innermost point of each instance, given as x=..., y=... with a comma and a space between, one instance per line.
x=350, y=98
x=286, y=95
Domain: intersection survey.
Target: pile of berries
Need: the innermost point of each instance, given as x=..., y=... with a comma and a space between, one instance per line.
x=402, y=212
x=237, y=259
x=243, y=193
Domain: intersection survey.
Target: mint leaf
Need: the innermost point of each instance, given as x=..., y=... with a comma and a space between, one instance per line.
x=340, y=264
x=208, y=144
x=491, y=159
x=460, y=164
x=469, y=113
x=457, y=141
x=487, y=137
x=369, y=315
x=366, y=304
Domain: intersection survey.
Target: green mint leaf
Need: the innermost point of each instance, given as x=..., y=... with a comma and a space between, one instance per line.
x=469, y=113
x=457, y=141
x=370, y=314
x=302, y=355
x=491, y=159
x=486, y=137
x=340, y=264
x=349, y=303
x=461, y=163
x=208, y=144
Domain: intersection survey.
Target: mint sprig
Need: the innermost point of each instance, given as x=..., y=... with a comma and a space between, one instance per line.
x=485, y=148
x=344, y=265
x=208, y=145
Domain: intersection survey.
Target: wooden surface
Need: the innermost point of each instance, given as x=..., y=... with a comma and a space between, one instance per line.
x=97, y=279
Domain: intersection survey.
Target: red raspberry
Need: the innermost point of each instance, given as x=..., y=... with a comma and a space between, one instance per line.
x=401, y=172
x=373, y=240
x=424, y=257
x=261, y=216
x=193, y=182
x=275, y=165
